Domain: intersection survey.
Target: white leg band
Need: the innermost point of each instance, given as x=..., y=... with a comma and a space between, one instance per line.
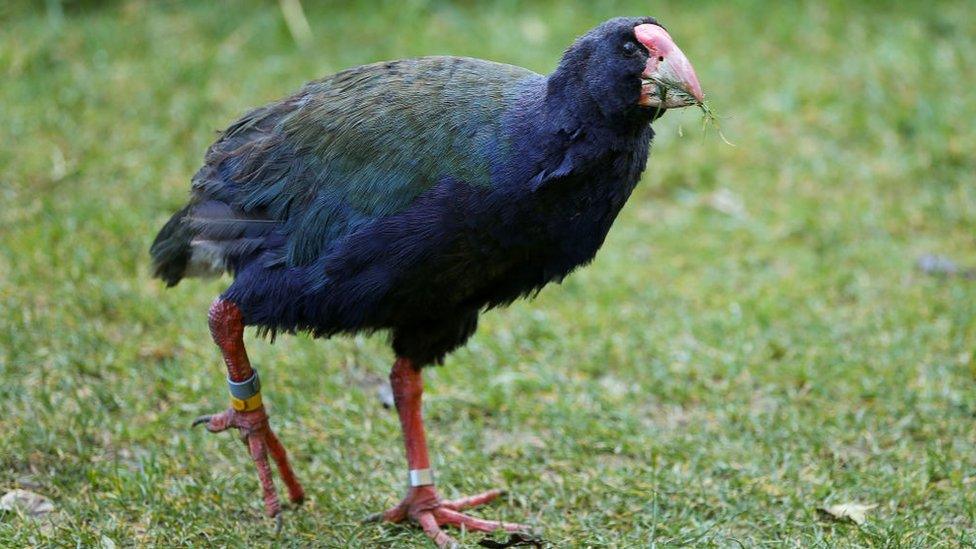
x=420, y=477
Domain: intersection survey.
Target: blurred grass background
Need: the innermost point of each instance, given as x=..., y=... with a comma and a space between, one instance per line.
x=753, y=341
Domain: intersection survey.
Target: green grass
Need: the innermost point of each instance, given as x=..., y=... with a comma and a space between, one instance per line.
x=752, y=342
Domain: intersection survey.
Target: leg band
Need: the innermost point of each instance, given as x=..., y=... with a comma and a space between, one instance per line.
x=245, y=396
x=245, y=389
x=420, y=477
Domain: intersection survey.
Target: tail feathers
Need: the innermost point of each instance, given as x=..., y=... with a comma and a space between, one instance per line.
x=171, y=251
x=207, y=239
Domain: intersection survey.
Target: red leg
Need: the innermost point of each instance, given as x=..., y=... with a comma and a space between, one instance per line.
x=227, y=329
x=422, y=504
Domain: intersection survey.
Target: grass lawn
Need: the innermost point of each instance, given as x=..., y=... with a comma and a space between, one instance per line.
x=754, y=340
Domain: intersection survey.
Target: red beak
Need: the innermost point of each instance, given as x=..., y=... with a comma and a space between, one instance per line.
x=666, y=65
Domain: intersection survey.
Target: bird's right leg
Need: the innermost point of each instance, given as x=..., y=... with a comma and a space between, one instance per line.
x=247, y=412
x=423, y=504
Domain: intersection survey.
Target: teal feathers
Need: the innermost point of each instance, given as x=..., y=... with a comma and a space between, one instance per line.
x=362, y=144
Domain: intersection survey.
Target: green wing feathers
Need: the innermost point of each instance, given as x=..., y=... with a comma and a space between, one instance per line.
x=347, y=149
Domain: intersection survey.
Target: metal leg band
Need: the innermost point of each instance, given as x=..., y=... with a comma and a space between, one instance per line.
x=246, y=389
x=420, y=477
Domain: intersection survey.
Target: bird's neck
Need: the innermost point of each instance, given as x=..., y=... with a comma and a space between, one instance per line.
x=554, y=134
x=568, y=102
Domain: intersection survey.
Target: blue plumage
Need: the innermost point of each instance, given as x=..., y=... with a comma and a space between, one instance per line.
x=414, y=194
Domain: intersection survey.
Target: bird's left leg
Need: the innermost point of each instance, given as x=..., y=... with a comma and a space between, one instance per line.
x=247, y=411
x=422, y=503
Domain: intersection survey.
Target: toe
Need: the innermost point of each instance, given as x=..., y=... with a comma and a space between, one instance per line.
x=434, y=532
x=449, y=516
x=396, y=514
x=473, y=501
x=259, y=453
x=295, y=491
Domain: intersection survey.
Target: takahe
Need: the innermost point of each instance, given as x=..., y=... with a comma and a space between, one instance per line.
x=410, y=196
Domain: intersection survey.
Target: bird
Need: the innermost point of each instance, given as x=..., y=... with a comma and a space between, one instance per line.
x=410, y=197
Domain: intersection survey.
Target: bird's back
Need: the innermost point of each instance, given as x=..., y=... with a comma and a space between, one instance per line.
x=290, y=179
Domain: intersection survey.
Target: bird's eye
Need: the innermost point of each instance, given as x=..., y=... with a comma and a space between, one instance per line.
x=630, y=49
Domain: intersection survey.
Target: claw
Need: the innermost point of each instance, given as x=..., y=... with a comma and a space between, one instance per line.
x=201, y=420
x=278, y=523
x=375, y=517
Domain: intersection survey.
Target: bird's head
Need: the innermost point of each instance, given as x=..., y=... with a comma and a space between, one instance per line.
x=629, y=65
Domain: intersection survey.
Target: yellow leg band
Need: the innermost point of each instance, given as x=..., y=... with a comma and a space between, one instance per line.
x=246, y=405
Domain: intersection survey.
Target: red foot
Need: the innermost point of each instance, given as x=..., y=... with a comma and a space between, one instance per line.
x=261, y=441
x=423, y=506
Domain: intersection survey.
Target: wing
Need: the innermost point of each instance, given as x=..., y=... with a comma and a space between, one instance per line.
x=290, y=178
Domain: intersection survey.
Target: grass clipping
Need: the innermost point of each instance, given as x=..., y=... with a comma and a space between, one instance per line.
x=670, y=89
